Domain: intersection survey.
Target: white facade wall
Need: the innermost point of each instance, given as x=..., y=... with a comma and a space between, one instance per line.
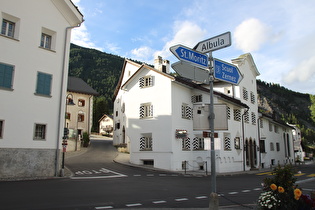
x=21, y=109
x=167, y=97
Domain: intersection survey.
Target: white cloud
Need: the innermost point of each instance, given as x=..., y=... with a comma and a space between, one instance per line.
x=303, y=72
x=80, y=36
x=186, y=33
x=143, y=53
x=251, y=34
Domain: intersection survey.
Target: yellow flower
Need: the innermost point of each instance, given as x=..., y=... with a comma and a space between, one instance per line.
x=280, y=189
x=273, y=187
x=297, y=194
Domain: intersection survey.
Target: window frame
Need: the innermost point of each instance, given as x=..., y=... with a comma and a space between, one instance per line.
x=147, y=109
x=47, y=33
x=40, y=134
x=146, y=142
x=187, y=111
x=5, y=31
x=10, y=19
x=81, y=102
x=42, y=86
x=1, y=128
x=8, y=71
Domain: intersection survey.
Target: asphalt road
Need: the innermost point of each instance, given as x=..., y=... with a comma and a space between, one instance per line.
x=99, y=183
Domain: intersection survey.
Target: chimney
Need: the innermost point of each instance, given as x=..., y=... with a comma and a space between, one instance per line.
x=162, y=65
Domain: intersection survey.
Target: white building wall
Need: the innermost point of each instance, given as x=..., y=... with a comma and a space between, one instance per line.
x=21, y=109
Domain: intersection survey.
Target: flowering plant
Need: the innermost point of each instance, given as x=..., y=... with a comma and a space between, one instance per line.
x=280, y=192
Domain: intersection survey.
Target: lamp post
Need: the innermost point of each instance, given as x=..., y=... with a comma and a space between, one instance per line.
x=69, y=101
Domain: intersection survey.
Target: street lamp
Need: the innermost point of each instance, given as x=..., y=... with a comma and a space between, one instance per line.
x=69, y=101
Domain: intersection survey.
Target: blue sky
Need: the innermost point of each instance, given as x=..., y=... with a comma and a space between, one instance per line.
x=280, y=34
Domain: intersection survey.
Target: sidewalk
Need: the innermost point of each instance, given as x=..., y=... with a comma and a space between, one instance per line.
x=123, y=158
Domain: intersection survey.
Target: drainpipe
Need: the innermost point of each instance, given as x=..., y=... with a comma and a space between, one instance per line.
x=243, y=133
x=89, y=122
x=63, y=87
x=259, y=141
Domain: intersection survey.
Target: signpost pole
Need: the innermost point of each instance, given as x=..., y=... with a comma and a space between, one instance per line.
x=214, y=200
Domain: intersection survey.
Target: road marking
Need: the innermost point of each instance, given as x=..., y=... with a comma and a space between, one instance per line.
x=162, y=174
x=137, y=175
x=233, y=193
x=265, y=173
x=133, y=204
x=104, y=207
x=158, y=202
x=311, y=175
x=258, y=188
x=150, y=174
x=201, y=197
x=181, y=199
x=245, y=191
x=100, y=171
x=300, y=174
x=305, y=180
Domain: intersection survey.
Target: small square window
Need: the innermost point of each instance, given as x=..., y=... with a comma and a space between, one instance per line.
x=45, y=41
x=8, y=28
x=81, y=102
x=80, y=117
x=40, y=132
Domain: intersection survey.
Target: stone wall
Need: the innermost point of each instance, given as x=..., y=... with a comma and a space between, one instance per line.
x=26, y=163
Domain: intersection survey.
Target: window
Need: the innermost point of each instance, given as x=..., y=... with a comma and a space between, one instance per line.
x=6, y=76
x=252, y=97
x=68, y=115
x=40, y=132
x=81, y=102
x=81, y=117
x=276, y=129
x=186, y=111
x=253, y=118
x=278, y=146
x=198, y=143
x=272, y=147
x=196, y=98
x=237, y=143
x=45, y=41
x=261, y=123
x=146, y=142
x=146, y=110
x=146, y=81
x=237, y=114
x=8, y=28
x=228, y=112
x=246, y=117
x=43, y=84
x=227, y=141
x=262, y=146
x=270, y=126
x=1, y=128
x=48, y=39
x=245, y=94
x=186, y=144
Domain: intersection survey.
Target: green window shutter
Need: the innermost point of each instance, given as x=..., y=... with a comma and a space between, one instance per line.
x=43, y=84
x=6, y=75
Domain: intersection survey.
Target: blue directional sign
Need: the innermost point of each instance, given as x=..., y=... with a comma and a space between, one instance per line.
x=189, y=55
x=226, y=72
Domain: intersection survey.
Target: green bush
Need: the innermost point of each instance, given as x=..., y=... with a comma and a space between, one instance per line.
x=86, y=139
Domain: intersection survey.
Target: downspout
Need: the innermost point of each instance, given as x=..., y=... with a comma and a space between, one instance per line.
x=62, y=88
x=243, y=134
x=89, y=122
x=259, y=141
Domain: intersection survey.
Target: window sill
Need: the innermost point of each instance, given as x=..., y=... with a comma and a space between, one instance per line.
x=7, y=89
x=9, y=37
x=47, y=49
x=43, y=95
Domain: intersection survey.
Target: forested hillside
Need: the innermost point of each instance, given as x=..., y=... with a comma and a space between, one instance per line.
x=102, y=71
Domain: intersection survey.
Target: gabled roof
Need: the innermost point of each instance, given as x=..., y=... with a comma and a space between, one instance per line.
x=69, y=11
x=247, y=56
x=104, y=116
x=144, y=66
x=77, y=85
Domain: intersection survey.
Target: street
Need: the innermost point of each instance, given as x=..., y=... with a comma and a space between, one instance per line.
x=97, y=182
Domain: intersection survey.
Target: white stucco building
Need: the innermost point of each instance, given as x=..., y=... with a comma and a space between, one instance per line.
x=162, y=119
x=35, y=42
